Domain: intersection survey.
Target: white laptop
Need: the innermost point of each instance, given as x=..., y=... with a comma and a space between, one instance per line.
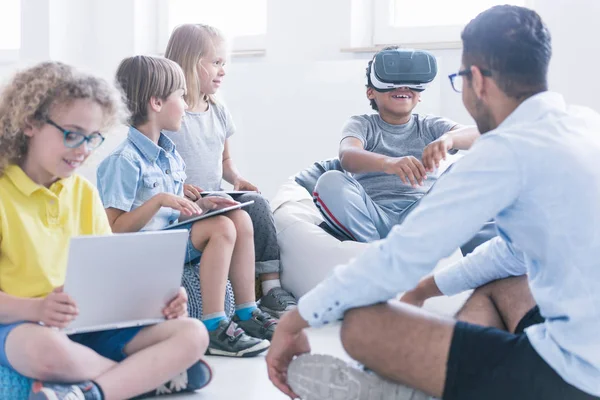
x=208, y=214
x=123, y=280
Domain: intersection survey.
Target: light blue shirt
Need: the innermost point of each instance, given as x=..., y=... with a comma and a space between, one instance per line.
x=538, y=175
x=138, y=170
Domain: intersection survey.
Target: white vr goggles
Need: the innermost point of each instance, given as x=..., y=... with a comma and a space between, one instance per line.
x=392, y=69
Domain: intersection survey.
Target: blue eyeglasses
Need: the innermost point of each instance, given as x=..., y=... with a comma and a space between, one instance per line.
x=457, y=84
x=73, y=139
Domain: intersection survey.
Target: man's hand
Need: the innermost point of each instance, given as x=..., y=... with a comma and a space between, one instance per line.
x=181, y=204
x=242, y=184
x=213, y=202
x=177, y=308
x=436, y=151
x=288, y=341
x=192, y=192
x=56, y=310
x=424, y=290
x=413, y=297
x=409, y=169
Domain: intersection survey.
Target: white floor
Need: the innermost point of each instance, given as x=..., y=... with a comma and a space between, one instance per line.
x=247, y=378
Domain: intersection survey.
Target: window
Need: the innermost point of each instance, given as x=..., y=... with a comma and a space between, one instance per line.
x=10, y=30
x=428, y=21
x=244, y=22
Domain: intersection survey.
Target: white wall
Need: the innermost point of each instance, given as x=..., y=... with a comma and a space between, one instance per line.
x=289, y=105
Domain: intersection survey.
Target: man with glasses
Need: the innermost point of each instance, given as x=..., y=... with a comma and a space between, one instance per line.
x=530, y=329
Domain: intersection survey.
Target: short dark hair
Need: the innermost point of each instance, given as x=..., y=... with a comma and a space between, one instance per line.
x=514, y=44
x=368, y=74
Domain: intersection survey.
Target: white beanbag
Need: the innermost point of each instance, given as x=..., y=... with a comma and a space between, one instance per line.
x=309, y=254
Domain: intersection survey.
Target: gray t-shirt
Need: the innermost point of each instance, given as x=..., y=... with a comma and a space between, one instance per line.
x=409, y=139
x=201, y=141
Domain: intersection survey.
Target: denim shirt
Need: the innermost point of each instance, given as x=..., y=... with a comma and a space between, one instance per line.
x=138, y=170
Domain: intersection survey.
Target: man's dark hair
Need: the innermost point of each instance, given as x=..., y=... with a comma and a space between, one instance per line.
x=368, y=73
x=514, y=44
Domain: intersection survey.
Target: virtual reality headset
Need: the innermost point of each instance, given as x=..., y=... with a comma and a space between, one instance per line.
x=392, y=69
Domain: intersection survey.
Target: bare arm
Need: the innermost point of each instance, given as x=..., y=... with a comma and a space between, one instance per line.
x=354, y=158
x=464, y=137
x=14, y=309
x=461, y=138
x=232, y=175
x=133, y=221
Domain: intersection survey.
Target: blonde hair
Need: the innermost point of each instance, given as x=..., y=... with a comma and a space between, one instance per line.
x=187, y=45
x=33, y=93
x=144, y=77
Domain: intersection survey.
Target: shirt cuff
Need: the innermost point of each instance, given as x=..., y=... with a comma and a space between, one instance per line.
x=318, y=307
x=451, y=279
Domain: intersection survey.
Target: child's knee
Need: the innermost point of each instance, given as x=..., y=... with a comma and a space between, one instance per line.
x=331, y=183
x=243, y=224
x=224, y=229
x=193, y=336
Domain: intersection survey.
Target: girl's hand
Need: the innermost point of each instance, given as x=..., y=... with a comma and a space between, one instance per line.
x=191, y=192
x=242, y=184
x=213, y=202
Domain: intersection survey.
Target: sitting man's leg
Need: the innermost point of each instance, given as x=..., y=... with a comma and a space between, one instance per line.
x=489, y=357
x=348, y=210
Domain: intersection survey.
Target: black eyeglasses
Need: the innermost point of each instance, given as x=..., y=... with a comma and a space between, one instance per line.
x=73, y=139
x=457, y=84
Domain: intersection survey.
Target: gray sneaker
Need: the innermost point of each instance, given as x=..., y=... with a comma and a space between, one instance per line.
x=277, y=302
x=230, y=340
x=261, y=325
x=321, y=377
x=70, y=391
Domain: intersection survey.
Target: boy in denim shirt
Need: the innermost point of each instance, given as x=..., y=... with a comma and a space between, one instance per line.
x=142, y=184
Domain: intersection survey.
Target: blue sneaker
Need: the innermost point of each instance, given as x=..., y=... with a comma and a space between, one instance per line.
x=56, y=391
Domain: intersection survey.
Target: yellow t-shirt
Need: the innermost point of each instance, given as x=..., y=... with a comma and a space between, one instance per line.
x=36, y=225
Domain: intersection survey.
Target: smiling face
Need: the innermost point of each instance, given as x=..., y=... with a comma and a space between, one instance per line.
x=48, y=158
x=398, y=103
x=211, y=69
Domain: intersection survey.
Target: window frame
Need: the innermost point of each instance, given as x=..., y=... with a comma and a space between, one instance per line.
x=247, y=44
x=439, y=37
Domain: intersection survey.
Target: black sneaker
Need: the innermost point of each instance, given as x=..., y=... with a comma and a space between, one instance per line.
x=70, y=391
x=277, y=302
x=261, y=325
x=229, y=340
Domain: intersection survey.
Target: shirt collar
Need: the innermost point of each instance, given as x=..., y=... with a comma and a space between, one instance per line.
x=534, y=108
x=147, y=147
x=26, y=186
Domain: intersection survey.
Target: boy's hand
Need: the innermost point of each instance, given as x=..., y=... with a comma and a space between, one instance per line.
x=181, y=204
x=213, y=202
x=57, y=309
x=191, y=192
x=242, y=184
x=177, y=308
x=436, y=151
x=408, y=168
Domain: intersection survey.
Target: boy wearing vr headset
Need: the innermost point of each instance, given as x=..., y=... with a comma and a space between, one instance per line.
x=389, y=154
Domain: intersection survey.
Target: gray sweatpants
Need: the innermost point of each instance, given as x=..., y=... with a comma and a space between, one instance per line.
x=350, y=212
x=265, y=236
